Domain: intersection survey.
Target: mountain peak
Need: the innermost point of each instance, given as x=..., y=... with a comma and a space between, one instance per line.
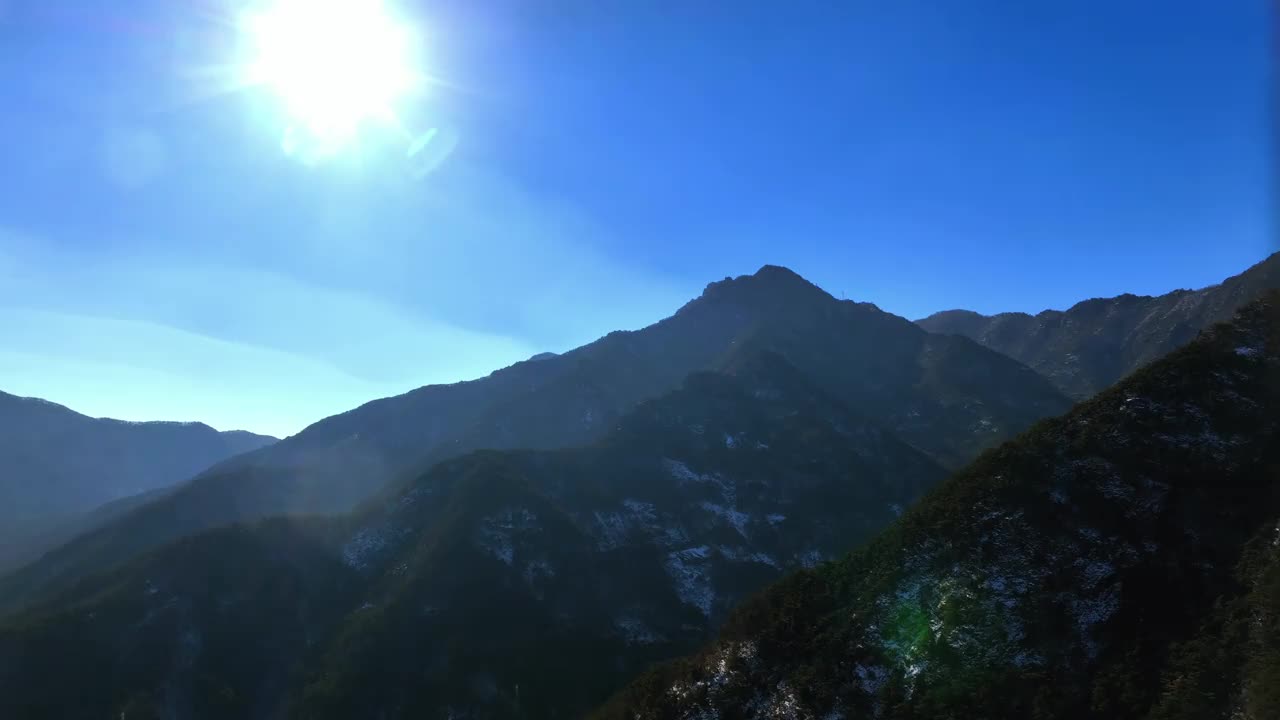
x=778, y=278
x=1076, y=494
x=778, y=273
x=771, y=282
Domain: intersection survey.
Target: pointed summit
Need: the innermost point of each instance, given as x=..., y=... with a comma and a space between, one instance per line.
x=1043, y=559
x=931, y=392
x=778, y=282
x=774, y=285
x=778, y=273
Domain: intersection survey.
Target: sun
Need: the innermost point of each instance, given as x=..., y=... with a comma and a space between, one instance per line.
x=336, y=66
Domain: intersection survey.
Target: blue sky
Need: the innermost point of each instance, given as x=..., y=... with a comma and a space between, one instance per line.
x=162, y=258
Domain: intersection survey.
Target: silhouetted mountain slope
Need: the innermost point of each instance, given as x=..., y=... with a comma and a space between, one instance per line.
x=1118, y=562
x=1096, y=342
x=499, y=584
x=1230, y=669
x=58, y=464
x=945, y=395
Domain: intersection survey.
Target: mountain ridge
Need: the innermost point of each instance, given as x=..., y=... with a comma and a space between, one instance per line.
x=58, y=407
x=616, y=554
x=60, y=465
x=1097, y=341
x=945, y=395
x=1077, y=570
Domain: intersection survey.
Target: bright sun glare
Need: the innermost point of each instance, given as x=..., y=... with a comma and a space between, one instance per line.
x=336, y=65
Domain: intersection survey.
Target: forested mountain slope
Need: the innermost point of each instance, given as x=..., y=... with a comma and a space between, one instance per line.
x=1118, y=562
x=944, y=395
x=525, y=584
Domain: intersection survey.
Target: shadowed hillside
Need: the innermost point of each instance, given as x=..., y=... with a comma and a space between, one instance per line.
x=498, y=584
x=944, y=395
x=1116, y=562
x=58, y=465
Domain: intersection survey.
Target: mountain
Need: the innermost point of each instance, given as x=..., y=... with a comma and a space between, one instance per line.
x=944, y=395
x=522, y=583
x=1097, y=342
x=59, y=464
x=1122, y=561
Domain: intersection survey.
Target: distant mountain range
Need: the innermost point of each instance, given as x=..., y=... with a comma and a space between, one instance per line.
x=523, y=545
x=946, y=396
x=511, y=584
x=1096, y=342
x=58, y=465
x=1122, y=561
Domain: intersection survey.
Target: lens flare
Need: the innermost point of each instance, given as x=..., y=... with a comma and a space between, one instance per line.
x=336, y=67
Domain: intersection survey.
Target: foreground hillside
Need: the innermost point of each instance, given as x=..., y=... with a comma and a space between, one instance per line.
x=1118, y=562
x=58, y=464
x=524, y=584
x=1096, y=342
x=944, y=395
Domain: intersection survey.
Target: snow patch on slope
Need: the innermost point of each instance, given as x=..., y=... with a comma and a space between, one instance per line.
x=734, y=517
x=363, y=546
x=497, y=533
x=636, y=631
x=690, y=571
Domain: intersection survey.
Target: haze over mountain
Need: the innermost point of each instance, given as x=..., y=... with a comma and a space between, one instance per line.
x=498, y=584
x=944, y=395
x=1122, y=561
x=1096, y=342
x=58, y=464
x=536, y=466
x=595, y=164
x=1118, y=561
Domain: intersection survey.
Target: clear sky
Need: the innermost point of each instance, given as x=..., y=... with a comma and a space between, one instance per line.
x=595, y=165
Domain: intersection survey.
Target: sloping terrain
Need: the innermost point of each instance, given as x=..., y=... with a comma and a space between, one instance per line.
x=499, y=584
x=1096, y=342
x=58, y=464
x=945, y=395
x=1117, y=562
x=1231, y=667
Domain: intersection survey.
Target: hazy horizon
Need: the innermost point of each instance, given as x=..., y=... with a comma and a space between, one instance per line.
x=481, y=373
x=167, y=254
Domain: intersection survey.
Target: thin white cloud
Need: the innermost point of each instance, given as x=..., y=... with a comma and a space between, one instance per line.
x=273, y=302
x=466, y=281
x=130, y=370
x=141, y=339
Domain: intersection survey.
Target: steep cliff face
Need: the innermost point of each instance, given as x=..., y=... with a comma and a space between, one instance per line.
x=1103, y=564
